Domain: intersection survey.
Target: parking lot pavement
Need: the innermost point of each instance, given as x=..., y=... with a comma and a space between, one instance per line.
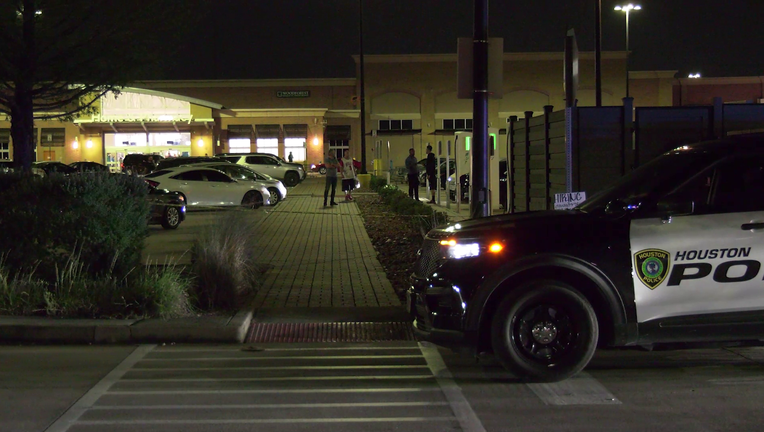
x=174, y=246
x=381, y=386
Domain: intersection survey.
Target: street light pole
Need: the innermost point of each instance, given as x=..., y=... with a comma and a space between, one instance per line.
x=363, y=90
x=627, y=9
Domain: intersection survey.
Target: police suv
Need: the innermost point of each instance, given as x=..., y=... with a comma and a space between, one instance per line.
x=671, y=253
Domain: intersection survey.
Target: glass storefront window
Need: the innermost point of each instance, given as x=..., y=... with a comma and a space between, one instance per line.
x=239, y=145
x=296, y=146
x=268, y=145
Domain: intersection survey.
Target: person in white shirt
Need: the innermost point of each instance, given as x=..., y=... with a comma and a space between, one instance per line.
x=348, y=175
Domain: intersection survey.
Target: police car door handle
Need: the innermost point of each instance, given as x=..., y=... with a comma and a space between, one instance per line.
x=752, y=226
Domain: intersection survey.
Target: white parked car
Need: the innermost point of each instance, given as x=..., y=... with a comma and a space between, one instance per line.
x=242, y=173
x=290, y=173
x=204, y=187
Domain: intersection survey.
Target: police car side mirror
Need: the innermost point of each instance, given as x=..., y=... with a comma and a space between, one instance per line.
x=616, y=208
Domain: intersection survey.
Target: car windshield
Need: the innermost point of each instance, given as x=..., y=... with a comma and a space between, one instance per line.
x=157, y=173
x=658, y=174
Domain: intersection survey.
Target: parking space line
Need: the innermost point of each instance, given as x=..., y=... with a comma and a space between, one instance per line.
x=277, y=391
x=265, y=421
x=266, y=406
x=88, y=400
x=467, y=418
x=265, y=379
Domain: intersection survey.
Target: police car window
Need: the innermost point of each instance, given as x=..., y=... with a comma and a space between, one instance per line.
x=653, y=179
x=740, y=186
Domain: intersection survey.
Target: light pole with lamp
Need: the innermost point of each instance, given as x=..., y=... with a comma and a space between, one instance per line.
x=627, y=9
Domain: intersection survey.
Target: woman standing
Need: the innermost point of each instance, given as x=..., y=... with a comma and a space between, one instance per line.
x=348, y=175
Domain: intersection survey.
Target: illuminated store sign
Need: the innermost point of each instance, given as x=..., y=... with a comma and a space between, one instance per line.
x=135, y=107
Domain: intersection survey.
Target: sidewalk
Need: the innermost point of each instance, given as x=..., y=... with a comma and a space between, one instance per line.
x=322, y=268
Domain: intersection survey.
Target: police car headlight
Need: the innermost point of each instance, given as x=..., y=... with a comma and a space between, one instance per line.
x=454, y=249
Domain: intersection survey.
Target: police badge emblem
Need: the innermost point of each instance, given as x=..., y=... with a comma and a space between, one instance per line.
x=651, y=266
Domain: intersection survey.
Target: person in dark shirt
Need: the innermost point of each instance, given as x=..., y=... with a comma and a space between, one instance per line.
x=413, y=176
x=431, y=173
x=332, y=164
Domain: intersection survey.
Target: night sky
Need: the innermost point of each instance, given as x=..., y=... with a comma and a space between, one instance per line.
x=260, y=39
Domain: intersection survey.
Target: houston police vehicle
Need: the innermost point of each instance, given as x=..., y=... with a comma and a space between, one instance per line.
x=671, y=253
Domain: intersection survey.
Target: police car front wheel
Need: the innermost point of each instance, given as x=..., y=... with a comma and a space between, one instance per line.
x=544, y=331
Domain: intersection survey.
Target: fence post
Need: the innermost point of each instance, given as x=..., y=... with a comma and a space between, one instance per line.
x=528, y=115
x=718, y=128
x=511, y=165
x=547, y=193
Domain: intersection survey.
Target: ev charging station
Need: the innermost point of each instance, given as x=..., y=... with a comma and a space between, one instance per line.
x=463, y=163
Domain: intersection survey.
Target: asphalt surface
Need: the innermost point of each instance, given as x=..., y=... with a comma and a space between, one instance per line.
x=391, y=386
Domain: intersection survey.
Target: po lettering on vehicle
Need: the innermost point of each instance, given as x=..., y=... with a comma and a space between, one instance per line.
x=722, y=273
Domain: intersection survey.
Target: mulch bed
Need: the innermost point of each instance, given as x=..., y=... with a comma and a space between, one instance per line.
x=394, y=238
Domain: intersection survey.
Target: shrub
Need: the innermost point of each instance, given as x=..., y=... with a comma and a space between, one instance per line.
x=423, y=217
x=377, y=183
x=102, y=215
x=160, y=291
x=224, y=262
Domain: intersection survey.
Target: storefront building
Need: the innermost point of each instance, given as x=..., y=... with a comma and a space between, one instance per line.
x=411, y=101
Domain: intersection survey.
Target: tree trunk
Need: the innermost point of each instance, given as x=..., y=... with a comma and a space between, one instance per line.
x=22, y=130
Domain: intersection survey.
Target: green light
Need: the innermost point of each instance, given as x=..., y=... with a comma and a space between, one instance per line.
x=493, y=135
x=467, y=143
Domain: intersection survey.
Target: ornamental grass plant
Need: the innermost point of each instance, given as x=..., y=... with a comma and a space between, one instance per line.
x=224, y=262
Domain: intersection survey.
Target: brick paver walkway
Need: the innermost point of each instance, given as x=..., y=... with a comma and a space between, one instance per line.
x=319, y=256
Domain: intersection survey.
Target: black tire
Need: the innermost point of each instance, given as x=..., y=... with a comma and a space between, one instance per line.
x=544, y=331
x=275, y=196
x=322, y=170
x=171, y=217
x=253, y=200
x=291, y=179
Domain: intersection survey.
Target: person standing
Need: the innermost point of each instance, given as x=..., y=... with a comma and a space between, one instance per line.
x=331, y=176
x=348, y=175
x=413, y=171
x=291, y=158
x=431, y=173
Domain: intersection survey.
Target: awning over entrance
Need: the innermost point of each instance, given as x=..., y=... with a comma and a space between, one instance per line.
x=337, y=132
x=295, y=130
x=267, y=130
x=397, y=132
x=240, y=131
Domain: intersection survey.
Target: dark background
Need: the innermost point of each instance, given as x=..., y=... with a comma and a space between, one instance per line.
x=260, y=39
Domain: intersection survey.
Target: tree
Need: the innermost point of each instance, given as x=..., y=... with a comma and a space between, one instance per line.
x=58, y=57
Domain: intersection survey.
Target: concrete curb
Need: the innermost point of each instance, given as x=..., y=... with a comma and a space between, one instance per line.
x=211, y=329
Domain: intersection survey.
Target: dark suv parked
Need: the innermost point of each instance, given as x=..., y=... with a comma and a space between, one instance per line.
x=140, y=163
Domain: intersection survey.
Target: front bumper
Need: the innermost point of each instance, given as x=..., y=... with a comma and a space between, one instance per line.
x=437, y=311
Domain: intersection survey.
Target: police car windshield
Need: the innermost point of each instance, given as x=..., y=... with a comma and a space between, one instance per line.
x=658, y=175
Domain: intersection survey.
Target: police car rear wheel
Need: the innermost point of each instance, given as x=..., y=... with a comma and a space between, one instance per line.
x=544, y=331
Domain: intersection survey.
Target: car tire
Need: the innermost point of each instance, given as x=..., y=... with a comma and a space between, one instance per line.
x=291, y=179
x=275, y=196
x=544, y=331
x=253, y=200
x=322, y=170
x=171, y=217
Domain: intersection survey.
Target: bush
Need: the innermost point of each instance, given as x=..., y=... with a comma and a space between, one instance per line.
x=423, y=216
x=103, y=216
x=224, y=262
x=161, y=292
x=377, y=183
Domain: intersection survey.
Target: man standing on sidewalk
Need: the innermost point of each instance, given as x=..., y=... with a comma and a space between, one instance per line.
x=332, y=164
x=413, y=176
x=430, y=165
